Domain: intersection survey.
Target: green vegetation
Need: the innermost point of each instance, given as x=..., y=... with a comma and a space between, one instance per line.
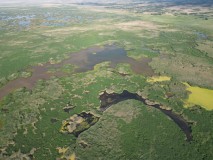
x=35, y=122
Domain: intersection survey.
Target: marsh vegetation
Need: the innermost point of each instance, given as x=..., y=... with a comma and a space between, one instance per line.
x=106, y=80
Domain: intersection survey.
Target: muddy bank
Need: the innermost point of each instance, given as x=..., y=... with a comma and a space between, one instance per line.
x=79, y=123
x=84, y=61
x=108, y=100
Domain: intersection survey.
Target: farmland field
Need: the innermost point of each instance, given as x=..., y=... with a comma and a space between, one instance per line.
x=106, y=80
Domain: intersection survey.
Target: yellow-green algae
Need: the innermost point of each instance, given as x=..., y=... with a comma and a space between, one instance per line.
x=72, y=157
x=199, y=96
x=158, y=79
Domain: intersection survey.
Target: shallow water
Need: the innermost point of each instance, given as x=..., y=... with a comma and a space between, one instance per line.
x=87, y=59
x=201, y=36
x=84, y=60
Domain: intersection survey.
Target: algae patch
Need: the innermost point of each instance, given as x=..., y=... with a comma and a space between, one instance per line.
x=73, y=157
x=158, y=79
x=199, y=96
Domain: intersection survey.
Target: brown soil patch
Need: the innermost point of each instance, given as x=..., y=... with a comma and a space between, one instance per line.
x=136, y=25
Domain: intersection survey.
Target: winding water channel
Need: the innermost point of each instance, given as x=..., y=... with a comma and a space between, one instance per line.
x=84, y=61
x=108, y=100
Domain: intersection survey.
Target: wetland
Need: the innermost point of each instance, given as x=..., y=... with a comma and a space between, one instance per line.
x=82, y=61
x=108, y=100
x=119, y=80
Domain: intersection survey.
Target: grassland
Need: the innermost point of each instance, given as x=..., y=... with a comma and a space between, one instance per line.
x=180, y=49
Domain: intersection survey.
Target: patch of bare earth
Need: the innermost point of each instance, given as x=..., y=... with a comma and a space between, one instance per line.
x=136, y=25
x=106, y=10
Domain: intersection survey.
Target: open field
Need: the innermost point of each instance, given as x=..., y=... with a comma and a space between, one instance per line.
x=106, y=81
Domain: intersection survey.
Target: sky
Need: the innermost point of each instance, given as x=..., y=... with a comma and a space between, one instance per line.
x=99, y=1
x=53, y=1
